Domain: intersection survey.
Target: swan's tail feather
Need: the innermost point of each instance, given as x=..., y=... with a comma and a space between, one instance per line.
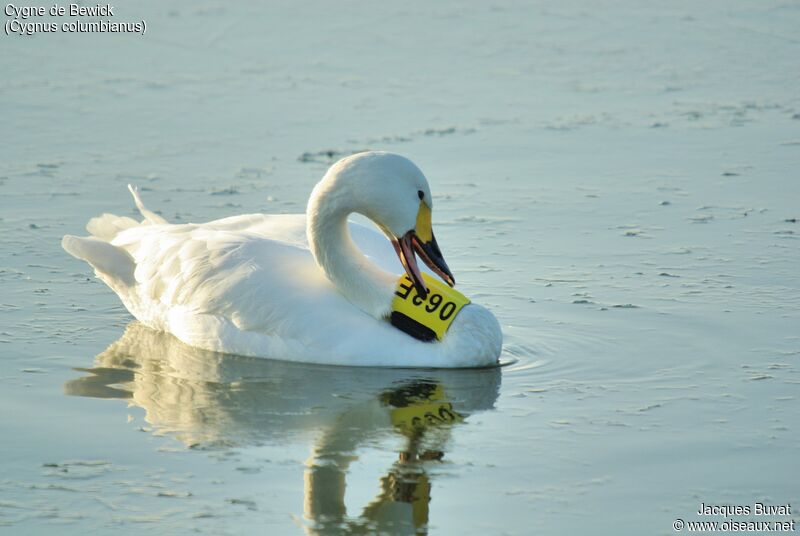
x=108, y=226
x=112, y=264
x=149, y=216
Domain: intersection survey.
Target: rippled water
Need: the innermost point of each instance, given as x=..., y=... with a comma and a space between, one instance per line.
x=618, y=183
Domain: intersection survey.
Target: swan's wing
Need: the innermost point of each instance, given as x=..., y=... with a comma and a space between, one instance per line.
x=255, y=271
x=207, y=268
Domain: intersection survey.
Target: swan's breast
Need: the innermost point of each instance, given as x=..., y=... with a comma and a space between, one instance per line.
x=474, y=337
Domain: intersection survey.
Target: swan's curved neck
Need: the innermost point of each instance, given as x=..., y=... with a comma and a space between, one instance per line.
x=360, y=281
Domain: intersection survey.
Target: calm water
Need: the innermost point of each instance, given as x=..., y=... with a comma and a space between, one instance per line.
x=617, y=183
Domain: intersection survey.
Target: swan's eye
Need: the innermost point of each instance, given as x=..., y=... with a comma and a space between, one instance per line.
x=421, y=194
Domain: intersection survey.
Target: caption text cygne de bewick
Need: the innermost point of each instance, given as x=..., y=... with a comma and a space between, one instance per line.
x=31, y=20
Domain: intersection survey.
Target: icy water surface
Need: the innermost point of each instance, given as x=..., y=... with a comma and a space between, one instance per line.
x=618, y=183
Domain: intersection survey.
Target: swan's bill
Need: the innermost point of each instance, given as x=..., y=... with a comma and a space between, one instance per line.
x=425, y=245
x=429, y=252
x=431, y=255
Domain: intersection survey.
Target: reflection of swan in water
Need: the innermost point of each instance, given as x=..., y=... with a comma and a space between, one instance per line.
x=211, y=400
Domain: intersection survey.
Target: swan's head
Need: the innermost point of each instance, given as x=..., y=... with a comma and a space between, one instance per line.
x=391, y=191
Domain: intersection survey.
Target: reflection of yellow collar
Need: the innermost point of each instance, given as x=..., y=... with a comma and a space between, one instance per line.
x=430, y=318
x=431, y=409
x=419, y=504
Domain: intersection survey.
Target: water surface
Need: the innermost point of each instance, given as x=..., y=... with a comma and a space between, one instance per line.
x=618, y=183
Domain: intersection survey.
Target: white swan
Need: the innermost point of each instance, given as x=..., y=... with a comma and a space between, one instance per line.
x=250, y=285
